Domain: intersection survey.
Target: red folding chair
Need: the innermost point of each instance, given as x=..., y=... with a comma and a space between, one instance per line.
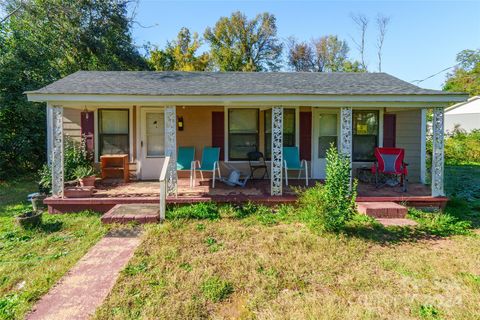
x=389, y=161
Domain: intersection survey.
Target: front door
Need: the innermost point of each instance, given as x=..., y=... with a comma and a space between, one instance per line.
x=152, y=143
x=325, y=127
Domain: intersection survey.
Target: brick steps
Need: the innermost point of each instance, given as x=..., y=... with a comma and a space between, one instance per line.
x=125, y=213
x=390, y=210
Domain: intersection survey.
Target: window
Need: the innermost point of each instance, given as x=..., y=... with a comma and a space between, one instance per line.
x=365, y=135
x=113, y=131
x=242, y=133
x=288, y=130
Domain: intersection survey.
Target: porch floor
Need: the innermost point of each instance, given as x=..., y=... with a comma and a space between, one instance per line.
x=110, y=193
x=254, y=188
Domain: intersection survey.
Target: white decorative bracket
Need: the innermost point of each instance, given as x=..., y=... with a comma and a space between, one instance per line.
x=171, y=148
x=57, y=151
x=346, y=131
x=277, y=151
x=438, y=153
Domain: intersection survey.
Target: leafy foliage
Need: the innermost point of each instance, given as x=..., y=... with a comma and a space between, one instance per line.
x=180, y=54
x=239, y=44
x=84, y=171
x=331, y=205
x=42, y=42
x=325, y=54
x=462, y=147
x=75, y=156
x=439, y=224
x=465, y=77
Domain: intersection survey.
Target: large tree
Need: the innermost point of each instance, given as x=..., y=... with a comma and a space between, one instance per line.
x=466, y=75
x=239, y=44
x=42, y=41
x=300, y=55
x=180, y=54
x=324, y=54
x=331, y=53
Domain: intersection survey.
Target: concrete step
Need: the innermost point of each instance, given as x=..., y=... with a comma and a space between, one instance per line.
x=125, y=213
x=389, y=222
x=382, y=209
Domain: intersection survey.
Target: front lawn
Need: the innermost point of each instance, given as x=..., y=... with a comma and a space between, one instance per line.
x=34, y=260
x=240, y=264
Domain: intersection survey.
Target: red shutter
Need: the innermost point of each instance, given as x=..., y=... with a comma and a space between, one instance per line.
x=306, y=135
x=87, y=129
x=389, y=130
x=218, y=131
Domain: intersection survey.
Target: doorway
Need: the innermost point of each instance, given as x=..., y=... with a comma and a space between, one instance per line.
x=325, y=132
x=152, y=143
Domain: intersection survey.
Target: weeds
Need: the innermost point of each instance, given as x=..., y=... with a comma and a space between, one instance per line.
x=216, y=289
x=439, y=224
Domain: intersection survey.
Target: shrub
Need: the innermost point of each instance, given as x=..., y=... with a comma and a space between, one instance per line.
x=216, y=289
x=75, y=155
x=45, y=182
x=331, y=205
x=462, y=147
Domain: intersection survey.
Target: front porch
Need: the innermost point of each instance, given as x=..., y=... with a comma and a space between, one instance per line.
x=111, y=193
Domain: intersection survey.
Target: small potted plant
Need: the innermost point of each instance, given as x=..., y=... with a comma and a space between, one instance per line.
x=29, y=219
x=85, y=175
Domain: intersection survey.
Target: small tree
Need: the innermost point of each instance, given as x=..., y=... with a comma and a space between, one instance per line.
x=338, y=195
x=331, y=205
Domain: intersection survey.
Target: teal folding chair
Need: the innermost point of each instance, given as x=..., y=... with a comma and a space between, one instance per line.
x=291, y=161
x=186, y=161
x=210, y=163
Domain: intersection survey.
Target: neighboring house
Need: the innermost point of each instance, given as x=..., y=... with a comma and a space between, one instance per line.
x=463, y=115
x=137, y=113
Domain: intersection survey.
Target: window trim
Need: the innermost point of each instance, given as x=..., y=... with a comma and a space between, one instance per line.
x=100, y=134
x=379, y=129
x=227, y=136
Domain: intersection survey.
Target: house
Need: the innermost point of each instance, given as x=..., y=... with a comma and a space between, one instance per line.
x=138, y=113
x=463, y=115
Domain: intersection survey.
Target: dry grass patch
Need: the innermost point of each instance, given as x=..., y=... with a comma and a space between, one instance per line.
x=285, y=271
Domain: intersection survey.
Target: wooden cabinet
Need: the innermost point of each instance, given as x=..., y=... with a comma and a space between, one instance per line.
x=115, y=166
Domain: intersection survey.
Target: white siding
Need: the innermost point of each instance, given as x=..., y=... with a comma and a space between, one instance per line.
x=71, y=123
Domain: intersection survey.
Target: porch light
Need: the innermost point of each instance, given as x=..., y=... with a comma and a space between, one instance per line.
x=85, y=110
x=180, y=123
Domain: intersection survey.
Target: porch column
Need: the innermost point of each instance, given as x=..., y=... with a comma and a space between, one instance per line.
x=49, y=133
x=171, y=148
x=438, y=153
x=57, y=150
x=277, y=151
x=346, y=135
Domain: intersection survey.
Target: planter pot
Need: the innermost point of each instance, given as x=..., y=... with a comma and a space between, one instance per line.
x=78, y=192
x=37, y=202
x=29, y=219
x=87, y=181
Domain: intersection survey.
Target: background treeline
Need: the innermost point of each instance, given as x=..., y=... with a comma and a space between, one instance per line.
x=44, y=40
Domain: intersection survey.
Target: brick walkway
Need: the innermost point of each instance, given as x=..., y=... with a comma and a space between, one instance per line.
x=87, y=284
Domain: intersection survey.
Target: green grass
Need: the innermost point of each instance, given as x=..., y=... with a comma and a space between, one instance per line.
x=250, y=262
x=286, y=270
x=32, y=261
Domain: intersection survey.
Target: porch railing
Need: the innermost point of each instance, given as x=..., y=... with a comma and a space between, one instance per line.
x=163, y=188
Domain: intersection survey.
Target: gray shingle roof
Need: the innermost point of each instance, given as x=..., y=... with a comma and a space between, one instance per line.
x=232, y=83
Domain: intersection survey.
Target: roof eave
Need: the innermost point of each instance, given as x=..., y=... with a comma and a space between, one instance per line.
x=287, y=99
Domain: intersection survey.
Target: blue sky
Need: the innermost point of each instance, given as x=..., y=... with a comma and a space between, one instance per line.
x=423, y=37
